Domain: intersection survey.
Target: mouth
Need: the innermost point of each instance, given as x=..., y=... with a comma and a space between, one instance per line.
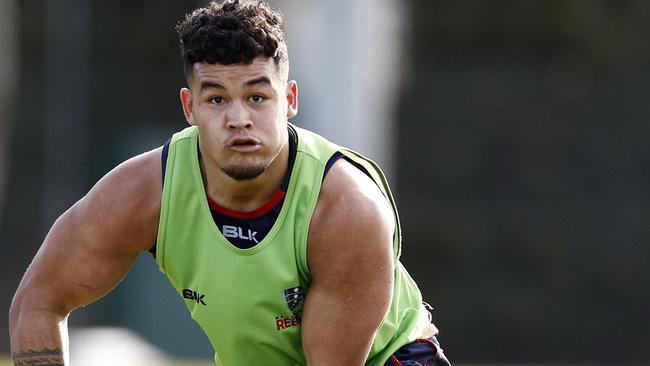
x=244, y=144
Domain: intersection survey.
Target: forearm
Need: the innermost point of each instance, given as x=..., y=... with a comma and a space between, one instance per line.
x=38, y=337
x=338, y=332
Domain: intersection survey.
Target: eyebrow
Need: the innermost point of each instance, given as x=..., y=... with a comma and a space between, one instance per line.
x=264, y=80
x=258, y=81
x=211, y=85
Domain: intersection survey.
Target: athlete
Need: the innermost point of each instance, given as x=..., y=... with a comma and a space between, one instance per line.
x=284, y=246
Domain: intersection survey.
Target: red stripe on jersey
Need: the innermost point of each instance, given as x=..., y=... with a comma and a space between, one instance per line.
x=395, y=360
x=260, y=211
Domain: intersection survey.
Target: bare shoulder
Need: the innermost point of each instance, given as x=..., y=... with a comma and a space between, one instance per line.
x=124, y=205
x=352, y=218
x=350, y=257
x=93, y=244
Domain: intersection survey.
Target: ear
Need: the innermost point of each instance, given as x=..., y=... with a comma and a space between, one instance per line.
x=186, y=101
x=292, y=99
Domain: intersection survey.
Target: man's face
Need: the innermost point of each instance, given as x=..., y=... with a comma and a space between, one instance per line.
x=241, y=112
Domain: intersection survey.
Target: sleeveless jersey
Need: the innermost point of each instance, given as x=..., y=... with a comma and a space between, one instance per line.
x=249, y=301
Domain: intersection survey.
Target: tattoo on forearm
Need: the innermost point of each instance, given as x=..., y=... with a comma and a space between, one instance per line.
x=44, y=357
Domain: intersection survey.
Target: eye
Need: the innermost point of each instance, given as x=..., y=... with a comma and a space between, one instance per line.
x=257, y=98
x=216, y=100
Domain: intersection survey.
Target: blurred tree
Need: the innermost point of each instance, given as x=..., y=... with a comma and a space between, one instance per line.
x=66, y=104
x=524, y=178
x=8, y=75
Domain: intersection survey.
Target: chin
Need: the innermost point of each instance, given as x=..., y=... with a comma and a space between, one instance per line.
x=243, y=172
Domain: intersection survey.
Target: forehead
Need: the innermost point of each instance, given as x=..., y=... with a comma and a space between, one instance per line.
x=235, y=74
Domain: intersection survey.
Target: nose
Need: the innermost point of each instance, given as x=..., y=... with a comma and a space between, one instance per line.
x=238, y=117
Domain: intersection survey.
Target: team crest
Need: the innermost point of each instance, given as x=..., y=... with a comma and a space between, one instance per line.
x=293, y=297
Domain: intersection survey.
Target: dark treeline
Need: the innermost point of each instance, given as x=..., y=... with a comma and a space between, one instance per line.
x=523, y=177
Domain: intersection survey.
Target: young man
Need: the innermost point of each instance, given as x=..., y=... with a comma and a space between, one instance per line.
x=283, y=245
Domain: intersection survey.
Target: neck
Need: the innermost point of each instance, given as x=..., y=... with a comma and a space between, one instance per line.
x=244, y=195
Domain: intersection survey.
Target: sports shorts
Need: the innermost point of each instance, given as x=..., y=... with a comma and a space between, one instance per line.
x=423, y=352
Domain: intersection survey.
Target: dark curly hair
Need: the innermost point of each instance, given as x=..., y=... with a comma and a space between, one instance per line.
x=232, y=32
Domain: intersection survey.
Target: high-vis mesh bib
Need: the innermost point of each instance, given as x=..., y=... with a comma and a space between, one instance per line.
x=249, y=301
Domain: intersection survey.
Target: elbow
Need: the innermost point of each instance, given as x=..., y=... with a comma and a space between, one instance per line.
x=14, y=312
x=27, y=316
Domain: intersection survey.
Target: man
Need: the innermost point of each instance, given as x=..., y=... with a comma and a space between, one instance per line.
x=283, y=245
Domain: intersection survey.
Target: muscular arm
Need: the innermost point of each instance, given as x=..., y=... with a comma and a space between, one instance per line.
x=88, y=250
x=350, y=255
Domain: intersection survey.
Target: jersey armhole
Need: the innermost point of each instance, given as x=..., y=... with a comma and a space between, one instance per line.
x=163, y=161
x=372, y=170
x=336, y=156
